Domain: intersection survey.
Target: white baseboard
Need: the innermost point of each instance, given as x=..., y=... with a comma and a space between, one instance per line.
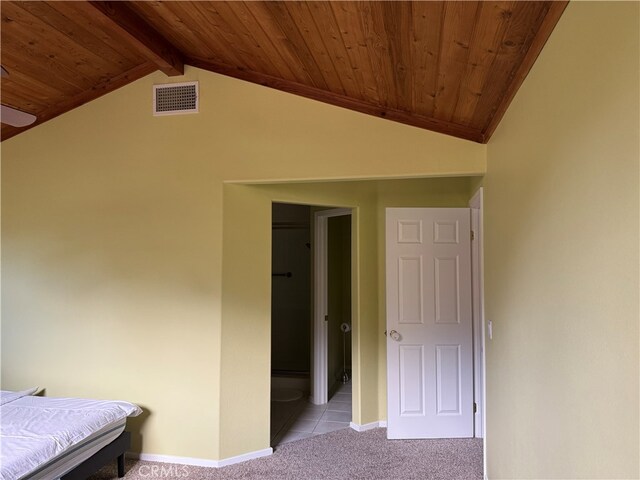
x=245, y=456
x=367, y=426
x=201, y=462
x=151, y=457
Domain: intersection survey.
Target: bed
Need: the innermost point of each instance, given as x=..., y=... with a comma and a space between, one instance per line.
x=44, y=438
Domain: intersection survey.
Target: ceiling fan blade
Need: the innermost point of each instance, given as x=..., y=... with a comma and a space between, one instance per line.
x=14, y=117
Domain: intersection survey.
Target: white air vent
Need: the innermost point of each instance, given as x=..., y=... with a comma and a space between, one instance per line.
x=175, y=98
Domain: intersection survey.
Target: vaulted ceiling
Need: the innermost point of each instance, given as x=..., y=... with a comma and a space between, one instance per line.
x=450, y=67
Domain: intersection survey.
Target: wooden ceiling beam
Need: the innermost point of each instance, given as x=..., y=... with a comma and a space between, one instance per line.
x=340, y=100
x=124, y=22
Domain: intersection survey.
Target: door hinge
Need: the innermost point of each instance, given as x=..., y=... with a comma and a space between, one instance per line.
x=473, y=235
x=326, y=318
x=475, y=407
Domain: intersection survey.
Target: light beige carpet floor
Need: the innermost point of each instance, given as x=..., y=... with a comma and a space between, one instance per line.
x=344, y=454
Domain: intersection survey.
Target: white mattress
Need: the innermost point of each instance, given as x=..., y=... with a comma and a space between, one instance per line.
x=44, y=438
x=78, y=453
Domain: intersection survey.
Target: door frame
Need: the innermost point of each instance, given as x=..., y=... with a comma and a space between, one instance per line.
x=319, y=360
x=478, y=312
x=476, y=203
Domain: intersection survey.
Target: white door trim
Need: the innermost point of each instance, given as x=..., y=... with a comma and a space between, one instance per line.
x=319, y=374
x=477, y=265
x=477, y=294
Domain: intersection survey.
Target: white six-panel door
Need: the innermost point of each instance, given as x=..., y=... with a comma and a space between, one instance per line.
x=429, y=323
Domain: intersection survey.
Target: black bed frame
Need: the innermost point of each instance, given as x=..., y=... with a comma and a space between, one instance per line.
x=115, y=450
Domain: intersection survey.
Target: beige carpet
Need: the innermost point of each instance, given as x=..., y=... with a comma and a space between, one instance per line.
x=344, y=454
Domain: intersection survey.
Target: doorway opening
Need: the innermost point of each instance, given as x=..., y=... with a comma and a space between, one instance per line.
x=311, y=272
x=339, y=308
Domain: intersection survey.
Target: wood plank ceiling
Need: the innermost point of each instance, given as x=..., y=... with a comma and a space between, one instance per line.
x=451, y=67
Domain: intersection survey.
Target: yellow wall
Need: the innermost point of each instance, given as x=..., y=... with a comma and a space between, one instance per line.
x=561, y=258
x=131, y=270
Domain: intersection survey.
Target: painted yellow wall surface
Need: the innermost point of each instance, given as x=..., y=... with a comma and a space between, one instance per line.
x=133, y=268
x=561, y=257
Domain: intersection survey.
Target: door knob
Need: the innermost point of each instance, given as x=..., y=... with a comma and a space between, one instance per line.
x=394, y=335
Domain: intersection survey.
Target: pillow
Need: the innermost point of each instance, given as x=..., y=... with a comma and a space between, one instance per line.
x=7, y=396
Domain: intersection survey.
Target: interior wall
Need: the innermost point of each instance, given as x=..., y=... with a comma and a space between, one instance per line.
x=561, y=257
x=112, y=249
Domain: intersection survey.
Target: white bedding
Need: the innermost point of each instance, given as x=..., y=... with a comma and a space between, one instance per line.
x=35, y=430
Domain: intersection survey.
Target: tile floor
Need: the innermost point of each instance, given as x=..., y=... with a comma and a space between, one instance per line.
x=292, y=421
